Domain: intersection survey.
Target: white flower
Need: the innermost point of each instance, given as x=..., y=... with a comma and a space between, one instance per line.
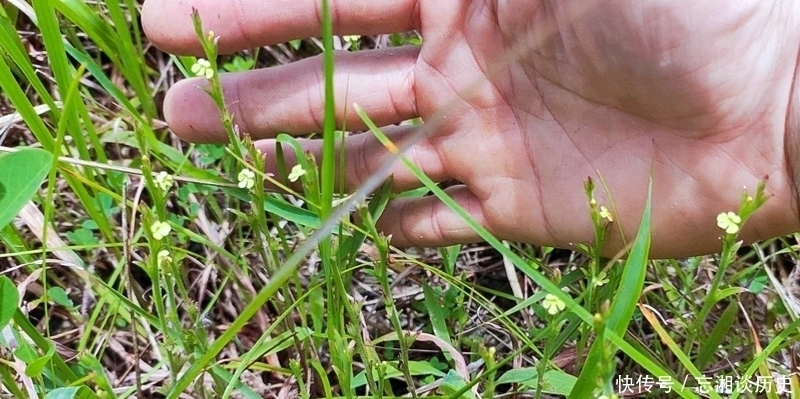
x=729, y=222
x=296, y=173
x=203, y=68
x=160, y=230
x=164, y=181
x=552, y=304
x=247, y=179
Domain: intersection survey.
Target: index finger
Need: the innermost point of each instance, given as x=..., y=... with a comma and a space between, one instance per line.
x=243, y=24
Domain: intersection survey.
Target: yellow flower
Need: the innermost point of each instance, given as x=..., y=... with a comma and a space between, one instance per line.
x=163, y=257
x=247, y=179
x=296, y=172
x=164, y=181
x=203, y=68
x=729, y=222
x=351, y=38
x=160, y=230
x=552, y=304
x=605, y=214
x=600, y=280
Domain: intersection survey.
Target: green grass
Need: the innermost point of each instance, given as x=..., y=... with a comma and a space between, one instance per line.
x=248, y=292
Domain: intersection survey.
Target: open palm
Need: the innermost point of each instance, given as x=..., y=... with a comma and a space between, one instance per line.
x=527, y=100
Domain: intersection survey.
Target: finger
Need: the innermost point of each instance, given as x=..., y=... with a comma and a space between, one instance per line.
x=364, y=155
x=242, y=24
x=427, y=222
x=290, y=98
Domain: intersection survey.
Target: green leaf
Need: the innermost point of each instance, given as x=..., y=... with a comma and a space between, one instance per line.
x=9, y=298
x=710, y=345
x=283, y=209
x=63, y=393
x=453, y=384
x=60, y=297
x=449, y=258
x=36, y=367
x=82, y=237
x=759, y=283
x=414, y=368
x=21, y=174
x=554, y=382
x=437, y=313
x=239, y=64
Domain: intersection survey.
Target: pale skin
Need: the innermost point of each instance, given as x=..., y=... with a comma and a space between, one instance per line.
x=537, y=96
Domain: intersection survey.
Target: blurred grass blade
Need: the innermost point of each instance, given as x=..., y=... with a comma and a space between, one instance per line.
x=21, y=174
x=328, y=164
x=12, y=91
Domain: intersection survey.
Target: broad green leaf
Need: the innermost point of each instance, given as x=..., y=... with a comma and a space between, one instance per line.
x=60, y=297
x=453, y=384
x=63, y=393
x=414, y=368
x=554, y=382
x=9, y=298
x=21, y=173
x=36, y=367
x=759, y=282
x=82, y=237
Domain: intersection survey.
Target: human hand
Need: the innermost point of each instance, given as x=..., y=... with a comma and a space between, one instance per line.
x=539, y=96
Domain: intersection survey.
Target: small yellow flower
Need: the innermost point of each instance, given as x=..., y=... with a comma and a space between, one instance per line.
x=552, y=304
x=296, y=173
x=160, y=230
x=351, y=38
x=605, y=214
x=729, y=222
x=247, y=179
x=203, y=68
x=163, y=257
x=164, y=181
x=600, y=280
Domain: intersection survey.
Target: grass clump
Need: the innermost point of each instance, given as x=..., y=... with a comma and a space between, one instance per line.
x=147, y=268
